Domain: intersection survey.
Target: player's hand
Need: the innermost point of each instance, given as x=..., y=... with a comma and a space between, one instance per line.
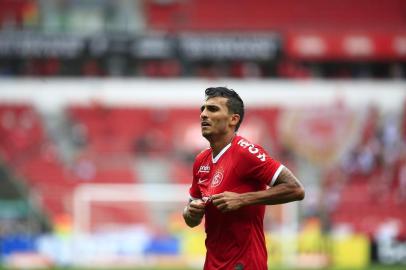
x=195, y=209
x=227, y=201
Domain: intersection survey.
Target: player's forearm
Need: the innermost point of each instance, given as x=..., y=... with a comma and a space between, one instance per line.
x=279, y=194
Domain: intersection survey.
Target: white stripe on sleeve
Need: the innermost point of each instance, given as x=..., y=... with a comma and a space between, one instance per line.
x=275, y=176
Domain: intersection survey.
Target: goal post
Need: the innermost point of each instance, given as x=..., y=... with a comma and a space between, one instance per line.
x=165, y=196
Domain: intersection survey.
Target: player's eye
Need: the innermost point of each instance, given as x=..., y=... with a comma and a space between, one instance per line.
x=212, y=108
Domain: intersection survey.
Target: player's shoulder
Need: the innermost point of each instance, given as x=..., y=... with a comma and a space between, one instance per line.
x=242, y=144
x=247, y=149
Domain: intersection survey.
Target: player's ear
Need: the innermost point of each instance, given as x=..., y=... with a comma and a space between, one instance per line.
x=235, y=118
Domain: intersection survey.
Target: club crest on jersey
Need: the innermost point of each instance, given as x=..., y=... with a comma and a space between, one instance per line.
x=204, y=169
x=217, y=178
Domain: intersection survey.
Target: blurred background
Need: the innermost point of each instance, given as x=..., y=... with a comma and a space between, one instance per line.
x=99, y=126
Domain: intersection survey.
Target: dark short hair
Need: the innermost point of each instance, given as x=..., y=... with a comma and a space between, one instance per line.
x=234, y=101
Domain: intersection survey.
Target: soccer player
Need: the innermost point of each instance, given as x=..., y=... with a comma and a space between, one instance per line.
x=233, y=181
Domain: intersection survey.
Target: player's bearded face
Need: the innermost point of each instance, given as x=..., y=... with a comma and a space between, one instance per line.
x=215, y=118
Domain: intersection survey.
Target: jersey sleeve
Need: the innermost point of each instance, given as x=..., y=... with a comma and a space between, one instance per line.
x=194, y=191
x=256, y=164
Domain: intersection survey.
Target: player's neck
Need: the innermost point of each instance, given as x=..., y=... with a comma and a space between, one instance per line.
x=218, y=144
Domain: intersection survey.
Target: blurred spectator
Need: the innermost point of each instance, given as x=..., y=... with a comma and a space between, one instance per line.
x=332, y=183
x=390, y=139
x=79, y=134
x=380, y=182
x=401, y=178
x=84, y=169
x=369, y=128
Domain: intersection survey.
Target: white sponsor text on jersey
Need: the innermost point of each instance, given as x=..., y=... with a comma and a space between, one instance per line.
x=204, y=168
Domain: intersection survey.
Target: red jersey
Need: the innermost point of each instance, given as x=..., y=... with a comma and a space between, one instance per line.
x=235, y=240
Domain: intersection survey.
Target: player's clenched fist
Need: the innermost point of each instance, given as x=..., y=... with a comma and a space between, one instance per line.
x=194, y=212
x=227, y=201
x=196, y=209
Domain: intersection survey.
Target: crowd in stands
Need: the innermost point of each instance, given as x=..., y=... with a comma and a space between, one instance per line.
x=367, y=188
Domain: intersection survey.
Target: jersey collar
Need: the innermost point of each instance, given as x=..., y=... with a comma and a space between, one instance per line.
x=215, y=159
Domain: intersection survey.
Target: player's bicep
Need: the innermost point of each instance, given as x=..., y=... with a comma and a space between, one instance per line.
x=287, y=177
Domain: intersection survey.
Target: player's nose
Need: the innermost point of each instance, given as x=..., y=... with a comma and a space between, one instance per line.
x=203, y=114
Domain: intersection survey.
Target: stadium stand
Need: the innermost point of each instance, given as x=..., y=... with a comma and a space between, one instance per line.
x=335, y=39
x=112, y=146
x=282, y=16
